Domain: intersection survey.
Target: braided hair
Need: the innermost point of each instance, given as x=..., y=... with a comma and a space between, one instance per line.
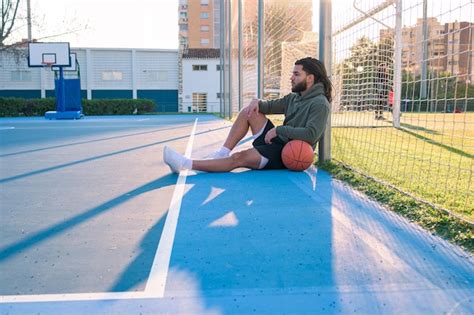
x=315, y=67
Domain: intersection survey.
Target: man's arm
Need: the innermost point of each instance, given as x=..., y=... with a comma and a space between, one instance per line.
x=276, y=106
x=310, y=133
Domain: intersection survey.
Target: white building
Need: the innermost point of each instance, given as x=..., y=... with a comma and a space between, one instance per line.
x=105, y=73
x=200, y=80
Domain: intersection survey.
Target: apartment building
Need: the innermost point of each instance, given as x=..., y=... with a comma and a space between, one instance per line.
x=199, y=28
x=412, y=48
x=199, y=22
x=459, y=39
x=449, y=48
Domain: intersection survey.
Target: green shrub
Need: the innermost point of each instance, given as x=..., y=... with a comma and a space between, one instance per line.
x=117, y=106
x=14, y=107
x=18, y=107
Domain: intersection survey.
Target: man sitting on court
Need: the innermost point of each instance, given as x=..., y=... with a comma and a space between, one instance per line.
x=306, y=112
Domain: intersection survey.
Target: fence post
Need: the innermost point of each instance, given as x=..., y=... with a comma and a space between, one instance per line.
x=325, y=55
x=241, y=86
x=221, y=57
x=260, y=53
x=424, y=57
x=229, y=55
x=224, y=52
x=398, y=65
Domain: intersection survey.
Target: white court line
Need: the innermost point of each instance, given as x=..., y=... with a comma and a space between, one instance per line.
x=155, y=287
x=74, y=297
x=6, y=128
x=159, y=270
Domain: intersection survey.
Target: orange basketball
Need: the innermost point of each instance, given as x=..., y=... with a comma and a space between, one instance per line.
x=297, y=155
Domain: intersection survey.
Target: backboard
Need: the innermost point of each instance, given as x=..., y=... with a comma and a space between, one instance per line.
x=48, y=54
x=73, y=66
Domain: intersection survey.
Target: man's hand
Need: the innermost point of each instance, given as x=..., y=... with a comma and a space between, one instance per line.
x=252, y=108
x=272, y=133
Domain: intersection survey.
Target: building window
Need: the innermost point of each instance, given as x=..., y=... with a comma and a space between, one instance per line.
x=151, y=75
x=162, y=75
x=205, y=2
x=204, y=28
x=218, y=95
x=199, y=102
x=112, y=76
x=21, y=76
x=204, y=15
x=183, y=27
x=199, y=67
x=204, y=41
x=218, y=67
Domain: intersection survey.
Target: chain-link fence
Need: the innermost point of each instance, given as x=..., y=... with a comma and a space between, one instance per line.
x=402, y=71
x=415, y=132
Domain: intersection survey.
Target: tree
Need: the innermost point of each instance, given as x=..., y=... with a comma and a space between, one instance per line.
x=360, y=72
x=14, y=21
x=9, y=17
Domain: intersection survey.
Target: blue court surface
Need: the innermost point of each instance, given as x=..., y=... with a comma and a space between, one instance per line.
x=93, y=222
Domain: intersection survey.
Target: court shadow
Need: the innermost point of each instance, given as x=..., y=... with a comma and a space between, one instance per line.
x=405, y=252
x=419, y=128
x=138, y=271
x=60, y=228
x=439, y=144
x=265, y=233
x=87, y=141
x=98, y=157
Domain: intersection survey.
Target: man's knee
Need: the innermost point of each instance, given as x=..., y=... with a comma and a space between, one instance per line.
x=244, y=110
x=238, y=158
x=248, y=158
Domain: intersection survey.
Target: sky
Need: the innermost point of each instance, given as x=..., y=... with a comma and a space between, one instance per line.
x=154, y=23
x=106, y=23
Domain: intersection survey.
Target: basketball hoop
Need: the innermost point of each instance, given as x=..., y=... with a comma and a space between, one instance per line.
x=47, y=64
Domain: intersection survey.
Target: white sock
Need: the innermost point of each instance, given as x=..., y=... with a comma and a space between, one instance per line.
x=176, y=161
x=224, y=152
x=188, y=164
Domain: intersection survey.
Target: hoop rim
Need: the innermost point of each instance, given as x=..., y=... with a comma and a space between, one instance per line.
x=48, y=64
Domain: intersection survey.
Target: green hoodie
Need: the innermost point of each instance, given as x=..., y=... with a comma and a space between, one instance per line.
x=305, y=116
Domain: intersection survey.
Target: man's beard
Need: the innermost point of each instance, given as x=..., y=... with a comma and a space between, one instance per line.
x=300, y=87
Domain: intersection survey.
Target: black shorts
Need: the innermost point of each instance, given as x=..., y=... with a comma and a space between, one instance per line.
x=271, y=151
